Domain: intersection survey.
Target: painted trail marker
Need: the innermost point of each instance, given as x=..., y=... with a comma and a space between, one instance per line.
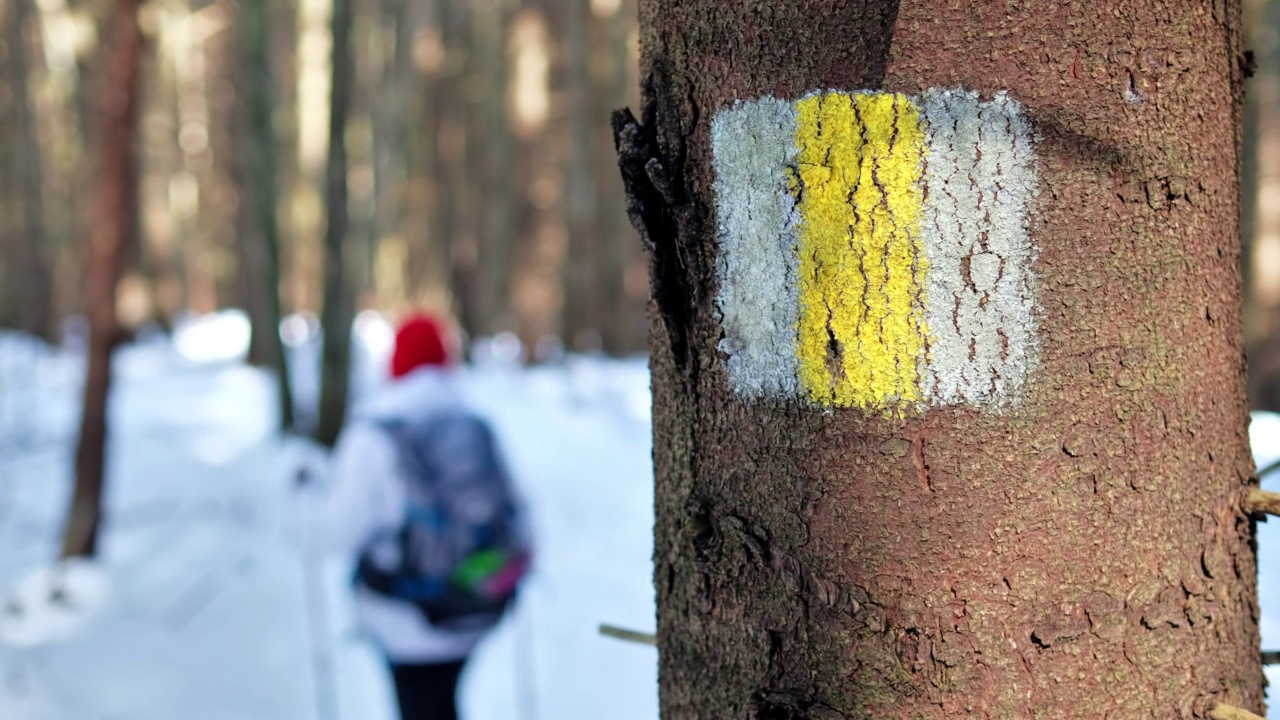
x=874, y=248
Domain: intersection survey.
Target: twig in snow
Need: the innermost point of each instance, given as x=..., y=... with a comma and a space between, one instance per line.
x=628, y=635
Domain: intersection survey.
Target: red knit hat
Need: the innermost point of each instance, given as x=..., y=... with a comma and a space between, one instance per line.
x=419, y=342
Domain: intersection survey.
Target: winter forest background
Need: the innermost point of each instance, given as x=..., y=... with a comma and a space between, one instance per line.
x=260, y=266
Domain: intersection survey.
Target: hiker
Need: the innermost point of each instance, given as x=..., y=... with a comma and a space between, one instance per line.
x=420, y=495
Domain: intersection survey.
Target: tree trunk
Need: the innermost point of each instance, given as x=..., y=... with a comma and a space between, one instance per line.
x=584, y=300
x=257, y=169
x=115, y=213
x=458, y=163
x=35, y=284
x=391, y=114
x=496, y=222
x=338, y=311
x=623, y=327
x=426, y=270
x=1258, y=219
x=958, y=479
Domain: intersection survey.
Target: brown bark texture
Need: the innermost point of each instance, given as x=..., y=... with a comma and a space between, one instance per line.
x=115, y=224
x=1085, y=553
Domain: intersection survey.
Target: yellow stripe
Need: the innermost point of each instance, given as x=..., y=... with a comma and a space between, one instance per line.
x=861, y=331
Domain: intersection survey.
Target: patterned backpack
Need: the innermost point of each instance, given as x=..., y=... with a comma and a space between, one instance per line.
x=462, y=549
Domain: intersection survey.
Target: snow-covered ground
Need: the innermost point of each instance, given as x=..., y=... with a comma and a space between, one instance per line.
x=206, y=605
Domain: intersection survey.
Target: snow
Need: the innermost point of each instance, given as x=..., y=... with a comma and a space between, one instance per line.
x=52, y=603
x=220, y=336
x=205, y=603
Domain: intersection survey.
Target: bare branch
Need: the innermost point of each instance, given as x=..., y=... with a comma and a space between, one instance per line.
x=628, y=635
x=1231, y=712
x=1263, y=501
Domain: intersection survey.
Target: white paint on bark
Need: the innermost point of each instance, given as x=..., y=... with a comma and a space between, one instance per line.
x=979, y=184
x=981, y=179
x=754, y=151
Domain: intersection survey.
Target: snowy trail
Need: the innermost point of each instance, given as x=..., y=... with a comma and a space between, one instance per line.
x=211, y=601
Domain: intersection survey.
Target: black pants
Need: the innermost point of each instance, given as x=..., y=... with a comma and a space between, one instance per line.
x=427, y=692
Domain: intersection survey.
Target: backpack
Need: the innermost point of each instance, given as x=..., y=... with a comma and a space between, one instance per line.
x=462, y=549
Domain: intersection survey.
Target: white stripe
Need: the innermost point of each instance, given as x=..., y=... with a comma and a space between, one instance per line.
x=980, y=178
x=753, y=148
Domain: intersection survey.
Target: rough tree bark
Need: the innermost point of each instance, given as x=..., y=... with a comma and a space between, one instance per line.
x=1081, y=552
x=338, y=311
x=257, y=178
x=115, y=224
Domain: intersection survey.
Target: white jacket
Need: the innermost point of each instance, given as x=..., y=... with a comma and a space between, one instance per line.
x=366, y=496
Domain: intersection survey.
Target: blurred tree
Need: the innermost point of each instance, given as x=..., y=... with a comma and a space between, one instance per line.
x=339, y=304
x=493, y=152
x=32, y=286
x=585, y=306
x=111, y=235
x=1259, y=222
x=458, y=171
x=540, y=119
x=8, y=168
x=391, y=54
x=257, y=175
x=428, y=217
x=942, y=562
x=614, y=80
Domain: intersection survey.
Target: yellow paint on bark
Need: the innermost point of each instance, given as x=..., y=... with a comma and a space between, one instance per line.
x=861, y=327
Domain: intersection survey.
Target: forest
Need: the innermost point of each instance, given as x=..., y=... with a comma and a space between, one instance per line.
x=823, y=359
x=479, y=164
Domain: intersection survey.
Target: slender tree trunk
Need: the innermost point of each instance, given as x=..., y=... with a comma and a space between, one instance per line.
x=390, y=116
x=496, y=150
x=623, y=315
x=857, y=515
x=583, y=300
x=1253, y=16
x=338, y=311
x=258, y=180
x=458, y=163
x=115, y=213
x=539, y=121
x=426, y=268
x=35, y=284
x=9, y=213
